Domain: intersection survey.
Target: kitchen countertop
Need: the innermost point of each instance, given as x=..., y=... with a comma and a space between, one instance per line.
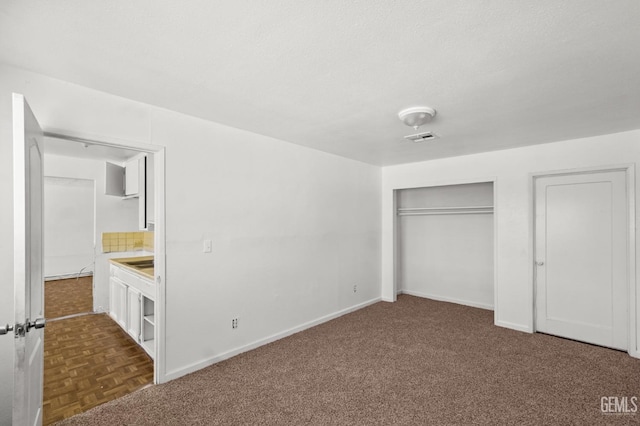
x=144, y=271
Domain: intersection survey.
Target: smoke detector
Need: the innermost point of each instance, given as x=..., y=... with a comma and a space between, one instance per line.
x=416, y=116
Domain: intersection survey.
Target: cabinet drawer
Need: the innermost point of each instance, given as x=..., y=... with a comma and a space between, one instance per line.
x=131, y=279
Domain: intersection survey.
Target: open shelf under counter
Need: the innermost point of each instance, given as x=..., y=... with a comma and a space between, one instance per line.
x=149, y=347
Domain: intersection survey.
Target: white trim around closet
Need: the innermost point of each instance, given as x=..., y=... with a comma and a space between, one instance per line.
x=397, y=213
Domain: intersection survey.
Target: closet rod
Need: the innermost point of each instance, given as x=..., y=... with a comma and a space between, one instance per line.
x=414, y=211
x=445, y=208
x=449, y=213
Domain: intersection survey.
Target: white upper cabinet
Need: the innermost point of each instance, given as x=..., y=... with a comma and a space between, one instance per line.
x=114, y=181
x=132, y=172
x=134, y=180
x=128, y=180
x=142, y=193
x=150, y=190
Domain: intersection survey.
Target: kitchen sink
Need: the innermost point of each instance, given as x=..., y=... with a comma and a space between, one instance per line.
x=140, y=263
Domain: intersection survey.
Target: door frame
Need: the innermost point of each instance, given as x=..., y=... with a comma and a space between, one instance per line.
x=632, y=291
x=159, y=370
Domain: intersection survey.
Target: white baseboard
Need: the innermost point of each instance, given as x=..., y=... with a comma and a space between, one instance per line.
x=67, y=276
x=449, y=299
x=514, y=326
x=226, y=355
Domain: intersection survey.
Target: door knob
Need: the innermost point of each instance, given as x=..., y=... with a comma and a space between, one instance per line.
x=540, y=263
x=21, y=329
x=38, y=323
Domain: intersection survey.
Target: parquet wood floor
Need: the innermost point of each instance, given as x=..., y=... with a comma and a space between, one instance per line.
x=68, y=297
x=89, y=360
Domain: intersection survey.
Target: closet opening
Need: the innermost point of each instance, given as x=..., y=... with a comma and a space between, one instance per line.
x=445, y=243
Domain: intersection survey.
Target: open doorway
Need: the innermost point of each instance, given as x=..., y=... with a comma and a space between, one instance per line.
x=91, y=352
x=69, y=230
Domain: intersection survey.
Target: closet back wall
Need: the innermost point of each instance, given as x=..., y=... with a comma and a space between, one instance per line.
x=445, y=245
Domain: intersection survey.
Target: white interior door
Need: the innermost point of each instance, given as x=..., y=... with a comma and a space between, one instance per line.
x=28, y=265
x=581, y=257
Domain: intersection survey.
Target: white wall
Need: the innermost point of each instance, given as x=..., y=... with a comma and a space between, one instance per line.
x=293, y=229
x=511, y=170
x=69, y=229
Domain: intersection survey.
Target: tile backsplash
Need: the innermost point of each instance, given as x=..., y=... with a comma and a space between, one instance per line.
x=127, y=241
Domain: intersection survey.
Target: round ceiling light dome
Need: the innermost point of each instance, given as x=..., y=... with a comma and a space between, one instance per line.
x=416, y=116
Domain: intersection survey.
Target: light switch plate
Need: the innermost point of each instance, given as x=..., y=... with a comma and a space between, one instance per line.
x=206, y=247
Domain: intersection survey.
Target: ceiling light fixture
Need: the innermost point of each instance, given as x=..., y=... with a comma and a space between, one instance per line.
x=416, y=116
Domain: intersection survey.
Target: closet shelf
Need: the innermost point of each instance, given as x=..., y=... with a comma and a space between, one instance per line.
x=421, y=211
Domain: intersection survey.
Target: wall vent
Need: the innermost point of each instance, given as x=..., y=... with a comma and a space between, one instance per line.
x=421, y=137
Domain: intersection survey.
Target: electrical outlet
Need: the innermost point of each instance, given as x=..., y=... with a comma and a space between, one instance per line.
x=234, y=323
x=355, y=288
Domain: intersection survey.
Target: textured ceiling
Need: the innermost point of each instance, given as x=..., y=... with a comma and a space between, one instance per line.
x=332, y=75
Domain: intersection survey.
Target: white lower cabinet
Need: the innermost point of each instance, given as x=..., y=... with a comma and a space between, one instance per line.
x=118, y=301
x=134, y=312
x=132, y=307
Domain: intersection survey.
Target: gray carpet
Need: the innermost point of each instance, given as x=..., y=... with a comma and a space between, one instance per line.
x=412, y=362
